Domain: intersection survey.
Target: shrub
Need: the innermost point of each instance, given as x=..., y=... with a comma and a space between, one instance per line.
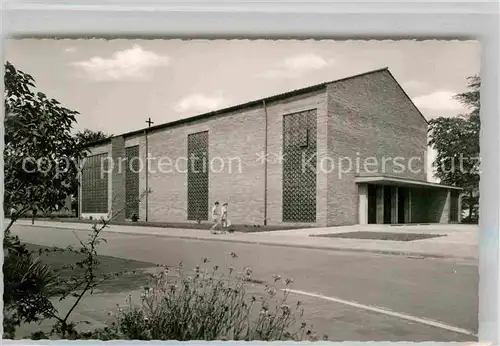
x=209, y=305
x=28, y=285
x=470, y=220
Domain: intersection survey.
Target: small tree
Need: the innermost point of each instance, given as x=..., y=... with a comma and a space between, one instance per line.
x=29, y=283
x=456, y=141
x=40, y=153
x=40, y=158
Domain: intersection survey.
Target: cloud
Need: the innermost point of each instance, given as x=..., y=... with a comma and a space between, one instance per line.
x=414, y=85
x=129, y=64
x=70, y=49
x=438, y=100
x=296, y=66
x=200, y=103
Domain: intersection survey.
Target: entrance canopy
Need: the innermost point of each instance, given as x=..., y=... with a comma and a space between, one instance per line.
x=395, y=200
x=393, y=181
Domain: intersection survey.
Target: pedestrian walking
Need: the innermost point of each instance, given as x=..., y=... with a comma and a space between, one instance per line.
x=215, y=217
x=223, y=216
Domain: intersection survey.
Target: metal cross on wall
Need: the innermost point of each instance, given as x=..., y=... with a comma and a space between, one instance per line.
x=149, y=122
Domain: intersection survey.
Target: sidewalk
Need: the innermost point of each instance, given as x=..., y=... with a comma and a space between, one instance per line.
x=460, y=241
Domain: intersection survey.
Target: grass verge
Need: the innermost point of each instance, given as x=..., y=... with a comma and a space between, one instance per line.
x=182, y=225
x=381, y=236
x=134, y=274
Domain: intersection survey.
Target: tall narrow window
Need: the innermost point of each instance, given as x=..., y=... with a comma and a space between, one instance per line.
x=198, y=176
x=299, y=180
x=95, y=184
x=132, y=182
x=304, y=137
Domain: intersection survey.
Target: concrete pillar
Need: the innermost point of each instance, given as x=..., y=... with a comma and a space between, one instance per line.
x=394, y=205
x=380, y=204
x=408, y=206
x=118, y=178
x=445, y=214
x=363, y=204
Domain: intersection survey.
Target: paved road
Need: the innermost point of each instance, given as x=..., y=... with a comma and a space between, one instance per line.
x=441, y=290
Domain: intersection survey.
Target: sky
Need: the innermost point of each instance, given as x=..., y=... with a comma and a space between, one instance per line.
x=116, y=85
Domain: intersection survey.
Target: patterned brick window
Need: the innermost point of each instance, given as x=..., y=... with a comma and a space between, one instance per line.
x=197, y=176
x=299, y=180
x=304, y=137
x=95, y=184
x=132, y=182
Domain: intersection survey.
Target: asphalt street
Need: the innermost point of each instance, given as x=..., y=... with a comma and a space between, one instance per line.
x=441, y=290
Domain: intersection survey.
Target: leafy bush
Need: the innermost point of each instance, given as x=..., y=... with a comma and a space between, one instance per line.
x=470, y=220
x=209, y=305
x=28, y=285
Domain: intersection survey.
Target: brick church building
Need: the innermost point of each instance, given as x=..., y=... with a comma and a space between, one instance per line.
x=350, y=151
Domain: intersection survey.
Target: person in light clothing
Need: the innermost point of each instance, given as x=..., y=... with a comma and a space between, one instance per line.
x=225, y=221
x=215, y=216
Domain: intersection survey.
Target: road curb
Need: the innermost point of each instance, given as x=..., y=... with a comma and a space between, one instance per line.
x=299, y=246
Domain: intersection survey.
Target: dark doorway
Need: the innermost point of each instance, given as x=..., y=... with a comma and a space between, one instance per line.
x=387, y=204
x=401, y=204
x=372, y=204
x=453, y=207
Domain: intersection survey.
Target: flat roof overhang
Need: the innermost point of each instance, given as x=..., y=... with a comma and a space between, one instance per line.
x=393, y=181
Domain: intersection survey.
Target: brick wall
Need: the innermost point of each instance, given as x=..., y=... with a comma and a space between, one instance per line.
x=236, y=176
x=118, y=178
x=315, y=100
x=369, y=117
x=430, y=205
x=439, y=206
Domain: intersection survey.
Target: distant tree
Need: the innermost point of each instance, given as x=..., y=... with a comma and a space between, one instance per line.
x=87, y=136
x=456, y=141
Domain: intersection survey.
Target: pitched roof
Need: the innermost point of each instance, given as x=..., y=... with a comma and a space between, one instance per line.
x=252, y=104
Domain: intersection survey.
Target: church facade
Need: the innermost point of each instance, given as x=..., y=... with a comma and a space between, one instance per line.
x=351, y=151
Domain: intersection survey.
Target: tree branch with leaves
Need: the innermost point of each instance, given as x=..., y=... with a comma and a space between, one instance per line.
x=41, y=153
x=41, y=163
x=456, y=141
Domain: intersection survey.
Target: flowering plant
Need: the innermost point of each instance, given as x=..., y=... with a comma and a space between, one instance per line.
x=207, y=303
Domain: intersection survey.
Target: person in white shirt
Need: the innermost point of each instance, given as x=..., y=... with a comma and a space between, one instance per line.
x=223, y=217
x=215, y=216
